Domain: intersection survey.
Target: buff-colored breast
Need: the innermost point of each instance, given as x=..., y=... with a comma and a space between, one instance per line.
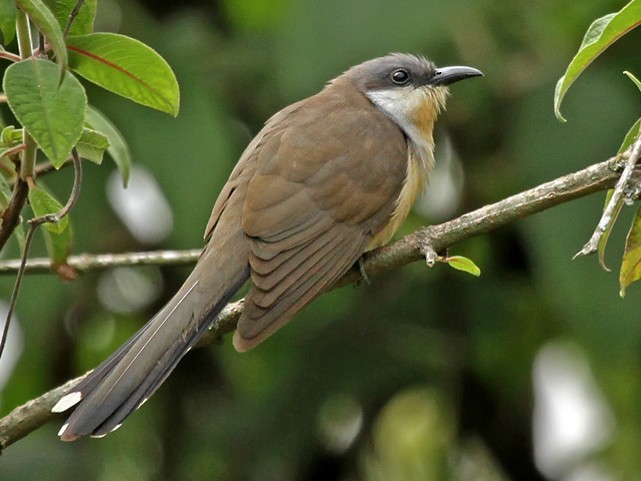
x=428, y=104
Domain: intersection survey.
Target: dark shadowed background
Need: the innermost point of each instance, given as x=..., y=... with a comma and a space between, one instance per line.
x=531, y=372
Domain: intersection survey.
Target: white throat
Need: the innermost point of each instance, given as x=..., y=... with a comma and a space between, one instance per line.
x=414, y=110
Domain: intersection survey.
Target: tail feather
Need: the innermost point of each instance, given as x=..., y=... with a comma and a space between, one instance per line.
x=123, y=382
x=97, y=374
x=160, y=372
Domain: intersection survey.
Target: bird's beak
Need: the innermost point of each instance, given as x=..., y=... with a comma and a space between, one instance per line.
x=449, y=75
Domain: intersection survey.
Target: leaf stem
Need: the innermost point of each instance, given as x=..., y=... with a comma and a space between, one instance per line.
x=23, y=34
x=75, y=190
x=25, y=47
x=28, y=163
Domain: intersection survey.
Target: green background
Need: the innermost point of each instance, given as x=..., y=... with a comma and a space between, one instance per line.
x=424, y=374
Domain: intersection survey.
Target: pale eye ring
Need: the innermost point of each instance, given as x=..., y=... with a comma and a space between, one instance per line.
x=400, y=76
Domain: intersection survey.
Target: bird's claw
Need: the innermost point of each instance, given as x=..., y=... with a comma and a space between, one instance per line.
x=361, y=269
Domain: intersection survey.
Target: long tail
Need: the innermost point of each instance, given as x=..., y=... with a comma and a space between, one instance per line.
x=125, y=380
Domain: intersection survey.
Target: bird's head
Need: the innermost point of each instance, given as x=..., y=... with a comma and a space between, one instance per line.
x=408, y=88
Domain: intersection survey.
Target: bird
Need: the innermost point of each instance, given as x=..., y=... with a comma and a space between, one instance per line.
x=326, y=179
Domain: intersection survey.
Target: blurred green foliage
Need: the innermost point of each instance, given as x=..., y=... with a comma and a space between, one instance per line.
x=431, y=369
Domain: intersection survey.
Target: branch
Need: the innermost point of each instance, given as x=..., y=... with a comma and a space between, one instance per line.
x=88, y=262
x=28, y=417
x=31, y=415
x=10, y=218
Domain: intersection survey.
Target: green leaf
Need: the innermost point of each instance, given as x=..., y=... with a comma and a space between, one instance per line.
x=21, y=236
x=43, y=203
x=631, y=262
x=118, y=149
x=59, y=248
x=58, y=236
x=126, y=67
x=8, y=12
x=633, y=78
x=603, y=241
x=46, y=22
x=464, y=264
x=83, y=23
x=600, y=35
x=52, y=113
x=7, y=135
x=17, y=136
x=5, y=194
x=630, y=137
x=92, y=145
x=11, y=136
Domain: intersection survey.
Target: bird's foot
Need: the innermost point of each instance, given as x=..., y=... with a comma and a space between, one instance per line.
x=361, y=269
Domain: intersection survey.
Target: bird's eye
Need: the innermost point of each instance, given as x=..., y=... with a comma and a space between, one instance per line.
x=400, y=76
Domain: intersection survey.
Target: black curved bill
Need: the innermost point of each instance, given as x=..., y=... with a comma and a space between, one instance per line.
x=449, y=75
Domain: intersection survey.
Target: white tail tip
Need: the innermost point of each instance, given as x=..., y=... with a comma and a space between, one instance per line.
x=66, y=402
x=98, y=436
x=63, y=429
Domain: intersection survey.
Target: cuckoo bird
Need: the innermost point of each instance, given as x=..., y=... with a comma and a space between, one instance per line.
x=326, y=179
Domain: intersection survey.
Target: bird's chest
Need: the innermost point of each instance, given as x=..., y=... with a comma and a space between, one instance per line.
x=418, y=167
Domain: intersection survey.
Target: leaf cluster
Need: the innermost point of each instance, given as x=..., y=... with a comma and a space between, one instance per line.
x=601, y=34
x=50, y=106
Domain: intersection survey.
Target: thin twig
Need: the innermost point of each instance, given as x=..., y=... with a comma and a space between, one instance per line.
x=12, y=153
x=90, y=262
x=72, y=17
x=33, y=225
x=14, y=150
x=28, y=417
x=16, y=287
x=608, y=215
x=75, y=189
x=10, y=56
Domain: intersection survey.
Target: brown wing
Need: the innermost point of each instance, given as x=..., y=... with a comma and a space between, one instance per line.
x=325, y=183
x=246, y=165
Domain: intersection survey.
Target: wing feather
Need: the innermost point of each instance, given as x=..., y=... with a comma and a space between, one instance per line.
x=326, y=270
x=299, y=235
x=323, y=187
x=275, y=283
